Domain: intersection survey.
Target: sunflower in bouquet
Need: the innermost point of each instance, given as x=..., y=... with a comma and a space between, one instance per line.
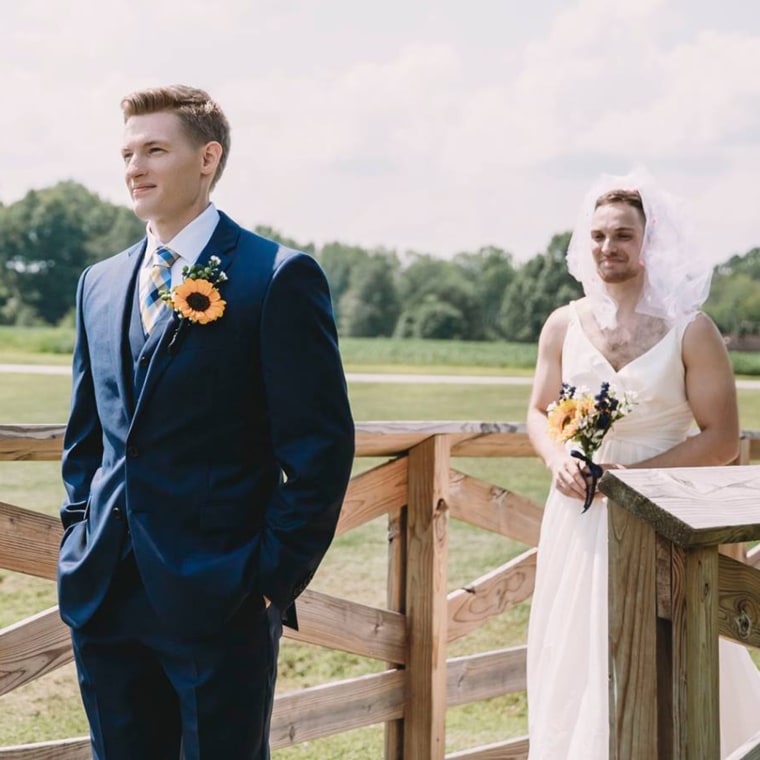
x=584, y=418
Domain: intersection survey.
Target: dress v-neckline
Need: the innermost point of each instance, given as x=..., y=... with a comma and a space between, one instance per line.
x=627, y=364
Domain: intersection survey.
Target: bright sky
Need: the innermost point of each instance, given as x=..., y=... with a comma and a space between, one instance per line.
x=433, y=126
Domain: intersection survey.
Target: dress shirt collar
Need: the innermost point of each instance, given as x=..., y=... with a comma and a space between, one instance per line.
x=190, y=240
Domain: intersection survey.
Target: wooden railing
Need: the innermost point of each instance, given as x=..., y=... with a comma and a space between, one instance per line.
x=671, y=595
x=419, y=492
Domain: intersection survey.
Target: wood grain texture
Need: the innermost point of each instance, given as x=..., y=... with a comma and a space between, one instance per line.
x=491, y=595
x=632, y=637
x=514, y=749
x=695, y=654
x=64, y=749
x=487, y=506
x=337, y=707
x=330, y=621
x=426, y=611
x=739, y=601
x=33, y=647
x=691, y=506
x=393, y=739
x=373, y=494
x=29, y=541
x=485, y=675
x=31, y=442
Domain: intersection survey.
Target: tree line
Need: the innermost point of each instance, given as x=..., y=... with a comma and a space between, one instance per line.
x=49, y=236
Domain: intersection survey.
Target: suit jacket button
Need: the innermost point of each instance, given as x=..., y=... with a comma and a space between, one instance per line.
x=144, y=360
x=133, y=451
x=116, y=512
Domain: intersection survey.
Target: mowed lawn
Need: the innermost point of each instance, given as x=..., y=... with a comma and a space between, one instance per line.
x=354, y=568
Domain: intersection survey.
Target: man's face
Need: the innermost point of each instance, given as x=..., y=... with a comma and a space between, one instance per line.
x=164, y=171
x=617, y=234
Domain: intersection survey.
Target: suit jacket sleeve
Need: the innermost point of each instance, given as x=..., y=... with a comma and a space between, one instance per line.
x=82, y=445
x=311, y=426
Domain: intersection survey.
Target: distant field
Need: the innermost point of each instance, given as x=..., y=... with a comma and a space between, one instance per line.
x=54, y=344
x=356, y=564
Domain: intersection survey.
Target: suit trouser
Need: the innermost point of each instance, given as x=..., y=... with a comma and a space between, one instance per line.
x=148, y=692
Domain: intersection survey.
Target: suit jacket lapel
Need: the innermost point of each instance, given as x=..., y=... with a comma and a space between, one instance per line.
x=125, y=271
x=223, y=244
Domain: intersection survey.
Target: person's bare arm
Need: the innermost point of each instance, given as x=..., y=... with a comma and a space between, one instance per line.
x=711, y=392
x=547, y=380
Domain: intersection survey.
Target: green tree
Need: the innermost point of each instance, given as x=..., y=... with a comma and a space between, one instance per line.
x=369, y=307
x=429, y=286
x=47, y=239
x=490, y=270
x=541, y=285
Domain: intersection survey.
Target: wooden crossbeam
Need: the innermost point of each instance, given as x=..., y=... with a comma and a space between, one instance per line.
x=33, y=647
x=491, y=595
x=738, y=601
x=62, y=749
x=487, y=506
x=337, y=707
x=485, y=675
x=351, y=627
x=373, y=494
x=29, y=541
x=31, y=442
x=514, y=749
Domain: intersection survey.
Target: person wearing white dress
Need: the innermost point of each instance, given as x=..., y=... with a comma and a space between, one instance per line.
x=639, y=328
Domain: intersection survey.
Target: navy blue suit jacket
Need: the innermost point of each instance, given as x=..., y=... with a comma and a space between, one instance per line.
x=230, y=463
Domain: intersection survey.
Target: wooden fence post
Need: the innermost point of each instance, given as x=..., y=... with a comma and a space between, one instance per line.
x=426, y=605
x=632, y=636
x=396, y=599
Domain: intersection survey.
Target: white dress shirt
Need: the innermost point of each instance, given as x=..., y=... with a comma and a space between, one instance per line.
x=187, y=243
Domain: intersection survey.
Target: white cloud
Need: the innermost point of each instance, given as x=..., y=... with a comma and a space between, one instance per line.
x=436, y=130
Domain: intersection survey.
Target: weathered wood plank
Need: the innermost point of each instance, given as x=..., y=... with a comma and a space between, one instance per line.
x=427, y=554
x=373, y=494
x=64, y=749
x=511, y=444
x=491, y=595
x=396, y=599
x=695, y=654
x=31, y=442
x=663, y=579
x=29, y=541
x=632, y=636
x=739, y=601
x=682, y=503
x=333, y=708
x=514, y=749
x=485, y=675
x=350, y=627
x=33, y=647
x=492, y=508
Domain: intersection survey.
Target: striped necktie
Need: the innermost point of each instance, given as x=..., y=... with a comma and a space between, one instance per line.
x=153, y=279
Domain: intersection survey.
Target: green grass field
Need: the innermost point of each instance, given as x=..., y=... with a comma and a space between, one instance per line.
x=355, y=566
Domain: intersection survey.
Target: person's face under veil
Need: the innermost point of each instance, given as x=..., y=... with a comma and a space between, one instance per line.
x=617, y=235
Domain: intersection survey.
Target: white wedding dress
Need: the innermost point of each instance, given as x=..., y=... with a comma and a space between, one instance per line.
x=567, y=635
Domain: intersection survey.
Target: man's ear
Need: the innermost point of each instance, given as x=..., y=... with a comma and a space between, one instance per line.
x=210, y=157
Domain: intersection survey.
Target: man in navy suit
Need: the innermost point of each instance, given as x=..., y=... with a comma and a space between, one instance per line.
x=206, y=457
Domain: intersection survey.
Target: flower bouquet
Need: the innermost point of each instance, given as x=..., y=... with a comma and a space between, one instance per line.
x=585, y=419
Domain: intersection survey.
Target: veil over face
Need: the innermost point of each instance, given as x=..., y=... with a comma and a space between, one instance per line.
x=677, y=273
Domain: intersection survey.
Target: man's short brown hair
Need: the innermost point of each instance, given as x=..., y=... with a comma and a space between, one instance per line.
x=630, y=197
x=202, y=117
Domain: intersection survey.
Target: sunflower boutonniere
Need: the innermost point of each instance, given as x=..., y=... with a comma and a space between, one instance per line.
x=197, y=297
